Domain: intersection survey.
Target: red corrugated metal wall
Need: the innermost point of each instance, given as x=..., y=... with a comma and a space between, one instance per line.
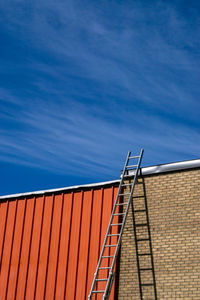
x=49, y=245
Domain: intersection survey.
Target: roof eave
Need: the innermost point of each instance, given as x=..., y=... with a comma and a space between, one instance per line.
x=177, y=166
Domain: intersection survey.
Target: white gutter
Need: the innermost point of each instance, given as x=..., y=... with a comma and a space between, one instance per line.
x=183, y=165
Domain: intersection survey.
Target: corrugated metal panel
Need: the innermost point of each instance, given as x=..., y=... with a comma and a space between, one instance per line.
x=49, y=244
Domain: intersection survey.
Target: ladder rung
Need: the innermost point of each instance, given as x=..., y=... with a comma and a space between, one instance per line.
x=126, y=184
x=142, y=224
x=110, y=245
x=139, y=210
x=104, y=268
x=124, y=194
x=108, y=256
x=120, y=214
x=114, y=234
x=103, y=279
x=122, y=203
x=131, y=166
x=144, y=239
x=95, y=292
x=116, y=224
x=143, y=254
x=147, y=284
x=146, y=269
x=132, y=157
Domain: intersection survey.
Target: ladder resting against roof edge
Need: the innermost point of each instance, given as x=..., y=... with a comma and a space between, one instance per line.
x=102, y=285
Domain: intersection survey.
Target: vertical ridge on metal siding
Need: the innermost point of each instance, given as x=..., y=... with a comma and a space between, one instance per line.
x=64, y=246
x=44, y=248
x=84, y=246
x=25, y=250
x=3, y=223
x=79, y=236
x=94, y=237
x=49, y=245
x=20, y=252
x=39, y=249
x=17, y=240
x=11, y=251
x=54, y=242
x=59, y=239
x=34, y=253
x=106, y=212
x=88, y=249
x=7, y=249
x=73, y=247
x=100, y=231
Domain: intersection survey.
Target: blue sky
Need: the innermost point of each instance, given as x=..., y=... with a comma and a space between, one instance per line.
x=82, y=82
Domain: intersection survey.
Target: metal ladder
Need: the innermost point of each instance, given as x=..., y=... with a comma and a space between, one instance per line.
x=116, y=212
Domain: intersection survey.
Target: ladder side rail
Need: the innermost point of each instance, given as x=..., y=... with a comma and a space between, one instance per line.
x=124, y=221
x=136, y=175
x=109, y=226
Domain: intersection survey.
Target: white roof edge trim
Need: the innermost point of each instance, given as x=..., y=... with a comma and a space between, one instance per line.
x=73, y=187
x=188, y=164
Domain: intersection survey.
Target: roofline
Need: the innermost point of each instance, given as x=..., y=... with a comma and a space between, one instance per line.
x=63, y=189
x=163, y=168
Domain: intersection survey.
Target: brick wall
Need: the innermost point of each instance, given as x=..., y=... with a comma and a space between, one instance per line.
x=174, y=215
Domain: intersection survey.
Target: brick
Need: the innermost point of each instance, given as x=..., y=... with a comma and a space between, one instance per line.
x=174, y=211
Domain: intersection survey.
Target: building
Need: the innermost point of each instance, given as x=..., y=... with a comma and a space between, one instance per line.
x=50, y=240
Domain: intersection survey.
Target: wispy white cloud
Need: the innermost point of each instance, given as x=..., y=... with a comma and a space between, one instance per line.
x=103, y=77
x=75, y=141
